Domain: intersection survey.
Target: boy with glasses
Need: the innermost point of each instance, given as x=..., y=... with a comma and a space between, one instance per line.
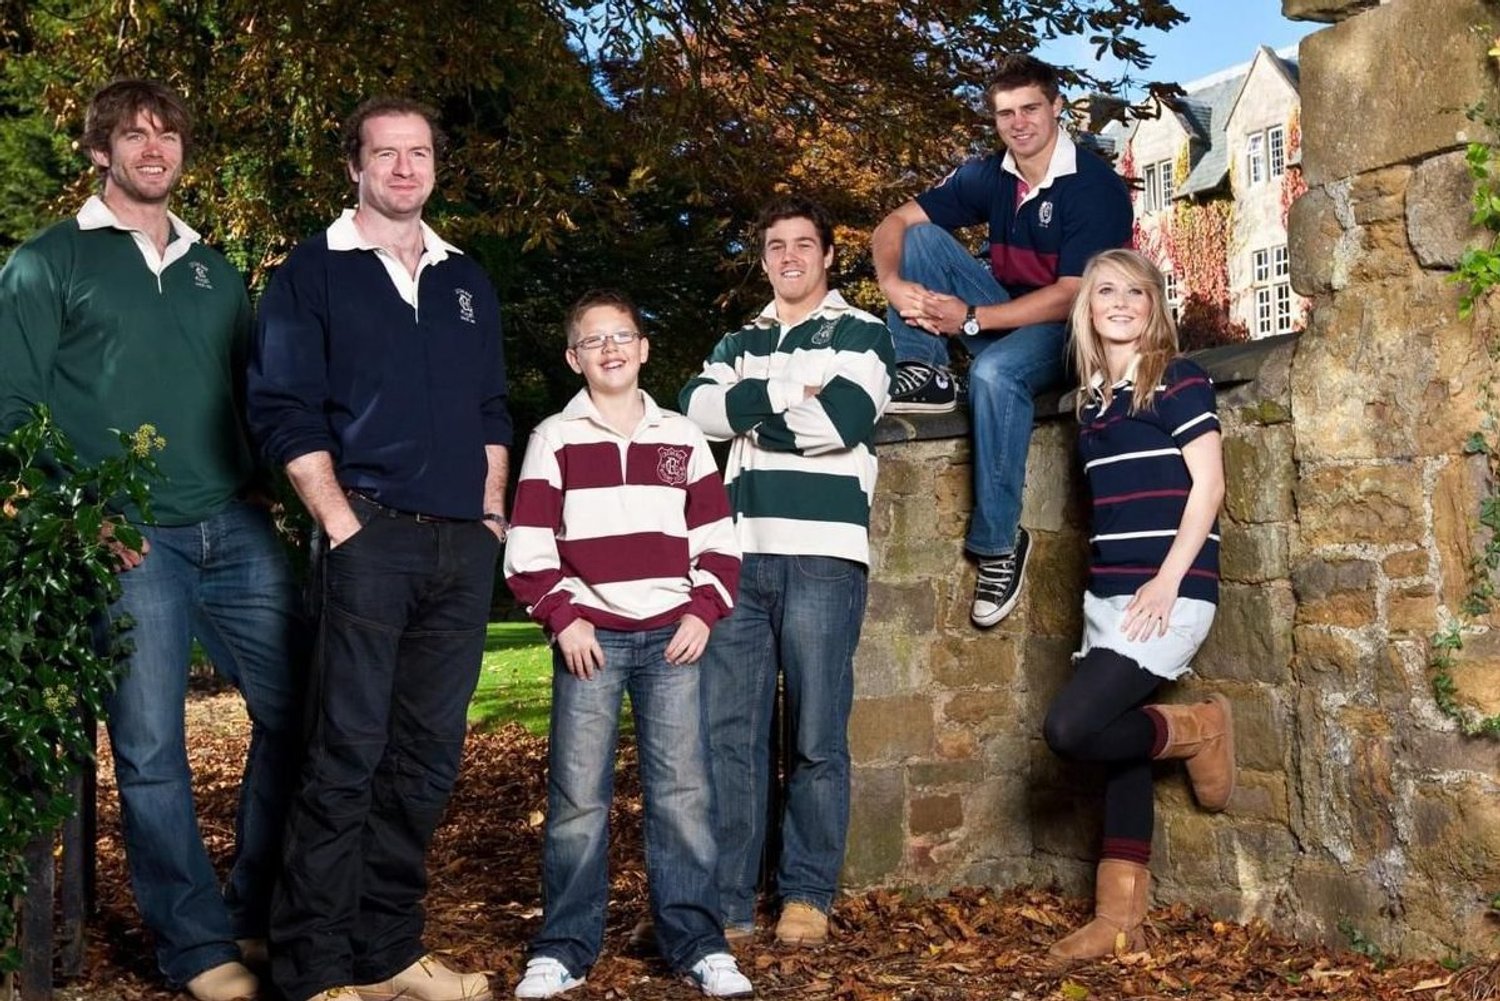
x=623, y=549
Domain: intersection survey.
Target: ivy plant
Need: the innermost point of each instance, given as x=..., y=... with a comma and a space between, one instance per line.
x=57, y=659
x=1477, y=273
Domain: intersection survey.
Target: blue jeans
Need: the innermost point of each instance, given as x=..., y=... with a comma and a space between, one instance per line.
x=225, y=581
x=669, y=731
x=1008, y=370
x=799, y=616
x=403, y=607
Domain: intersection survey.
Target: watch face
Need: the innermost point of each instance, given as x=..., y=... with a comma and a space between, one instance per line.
x=971, y=326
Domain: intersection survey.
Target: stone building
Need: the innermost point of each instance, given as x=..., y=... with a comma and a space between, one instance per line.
x=1232, y=138
x=1348, y=532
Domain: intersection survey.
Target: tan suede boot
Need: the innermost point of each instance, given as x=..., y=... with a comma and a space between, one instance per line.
x=801, y=924
x=1120, y=892
x=1202, y=736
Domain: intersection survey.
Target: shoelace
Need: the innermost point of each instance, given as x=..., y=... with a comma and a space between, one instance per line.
x=910, y=378
x=995, y=576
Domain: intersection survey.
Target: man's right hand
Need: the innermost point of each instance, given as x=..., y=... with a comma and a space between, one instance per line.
x=580, y=650
x=911, y=300
x=342, y=529
x=125, y=557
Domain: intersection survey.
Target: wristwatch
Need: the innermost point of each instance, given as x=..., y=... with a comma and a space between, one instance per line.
x=971, y=322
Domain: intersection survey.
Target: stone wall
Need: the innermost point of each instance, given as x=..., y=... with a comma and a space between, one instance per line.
x=1348, y=528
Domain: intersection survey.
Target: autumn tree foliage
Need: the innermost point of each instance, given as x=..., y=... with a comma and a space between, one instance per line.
x=621, y=142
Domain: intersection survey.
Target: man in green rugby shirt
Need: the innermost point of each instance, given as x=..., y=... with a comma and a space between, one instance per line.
x=120, y=317
x=798, y=391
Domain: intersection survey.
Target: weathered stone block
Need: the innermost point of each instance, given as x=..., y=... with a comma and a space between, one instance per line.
x=1323, y=10
x=1408, y=563
x=1361, y=370
x=1260, y=475
x=945, y=773
x=932, y=814
x=1455, y=523
x=972, y=660
x=1413, y=610
x=1380, y=195
x=891, y=729
x=1318, y=242
x=984, y=713
x=1335, y=593
x=1351, y=504
x=1190, y=857
x=1251, y=554
x=1260, y=726
x=1260, y=796
x=886, y=663
x=876, y=830
x=1053, y=599
x=1439, y=204
x=1389, y=51
x=1051, y=502
x=1477, y=678
x=912, y=606
x=1252, y=635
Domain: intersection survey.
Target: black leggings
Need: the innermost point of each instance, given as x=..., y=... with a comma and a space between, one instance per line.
x=1097, y=717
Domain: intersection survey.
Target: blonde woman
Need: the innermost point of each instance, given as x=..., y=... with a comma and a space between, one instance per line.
x=1150, y=445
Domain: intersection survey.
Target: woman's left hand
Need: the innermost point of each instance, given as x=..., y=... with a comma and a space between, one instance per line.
x=1150, y=610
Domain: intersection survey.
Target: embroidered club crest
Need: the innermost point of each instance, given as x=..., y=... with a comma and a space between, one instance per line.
x=823, y=335
x=671, y=466
x=1044, y=213
x=465, y=304
x=200, y=275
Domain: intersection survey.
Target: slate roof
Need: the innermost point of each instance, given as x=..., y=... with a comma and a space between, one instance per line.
x=1204, y=114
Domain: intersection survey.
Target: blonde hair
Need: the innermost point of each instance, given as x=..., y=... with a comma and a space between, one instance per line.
x=1158, y=342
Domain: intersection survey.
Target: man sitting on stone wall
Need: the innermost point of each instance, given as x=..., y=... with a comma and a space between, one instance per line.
x=1050, y=206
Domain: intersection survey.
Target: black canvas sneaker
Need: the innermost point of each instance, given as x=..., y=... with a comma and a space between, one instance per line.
x=922, y=389
x=998, y=586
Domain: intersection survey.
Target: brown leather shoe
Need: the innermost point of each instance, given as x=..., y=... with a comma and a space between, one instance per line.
x=801, y=924
x=1120, y=892
x=428, y=980
x=1202, y=736
x=226, y=982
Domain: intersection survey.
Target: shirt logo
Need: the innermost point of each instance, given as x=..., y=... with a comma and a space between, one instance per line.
x=671, y=466
x=1044, y=213
x=200, y=275
x=465, y=304
x=823, y=335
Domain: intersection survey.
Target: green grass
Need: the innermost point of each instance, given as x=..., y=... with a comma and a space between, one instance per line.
x=515, y=679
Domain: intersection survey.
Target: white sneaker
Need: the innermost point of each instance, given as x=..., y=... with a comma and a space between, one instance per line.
x=719, y=976
x=545, y=978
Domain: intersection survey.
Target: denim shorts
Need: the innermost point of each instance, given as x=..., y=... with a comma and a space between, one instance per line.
x=1168, y=656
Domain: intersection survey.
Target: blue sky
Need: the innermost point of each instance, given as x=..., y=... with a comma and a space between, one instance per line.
x=1217, y=34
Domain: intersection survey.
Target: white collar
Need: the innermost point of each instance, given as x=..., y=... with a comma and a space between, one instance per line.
x=1096, y=382
x=344, y=235
x=581, y=407
x=1064, y=161
x=833, y=304
x=95, y=214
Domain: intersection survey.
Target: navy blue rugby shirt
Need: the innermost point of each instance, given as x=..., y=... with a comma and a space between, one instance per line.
x=404, y=396
x=1140, y=482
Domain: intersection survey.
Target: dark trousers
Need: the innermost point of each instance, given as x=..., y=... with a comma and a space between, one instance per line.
x=401, y=633
x=1097, y=717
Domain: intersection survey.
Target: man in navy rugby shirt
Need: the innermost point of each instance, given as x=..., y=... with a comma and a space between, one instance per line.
x=1049, y=207
x=379, y=383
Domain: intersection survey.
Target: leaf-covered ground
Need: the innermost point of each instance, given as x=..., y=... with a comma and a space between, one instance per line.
x=971, y=944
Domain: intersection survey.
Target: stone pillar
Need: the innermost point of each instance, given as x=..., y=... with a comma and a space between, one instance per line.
x=1394, y=812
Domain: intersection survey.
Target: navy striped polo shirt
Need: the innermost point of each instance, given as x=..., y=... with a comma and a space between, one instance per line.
x=1140, y=483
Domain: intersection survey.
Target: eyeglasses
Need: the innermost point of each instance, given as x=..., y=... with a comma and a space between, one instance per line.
x=594, y=343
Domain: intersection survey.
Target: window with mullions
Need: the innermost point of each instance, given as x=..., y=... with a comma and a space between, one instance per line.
x=1255, y=158
x=1276, y=145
